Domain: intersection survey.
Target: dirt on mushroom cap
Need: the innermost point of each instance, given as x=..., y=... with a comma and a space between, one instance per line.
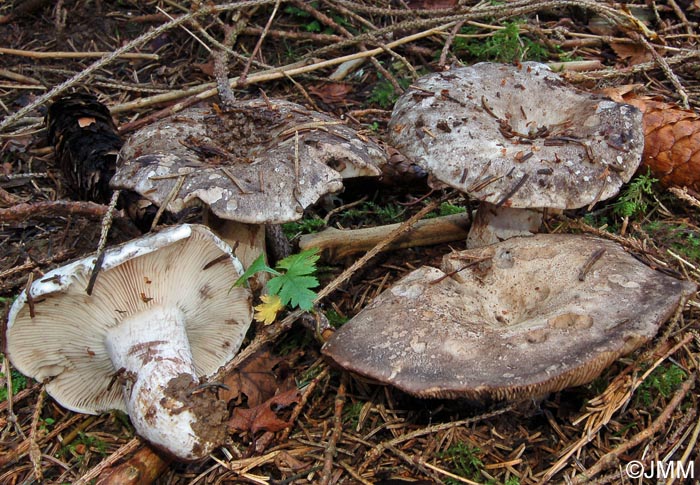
x=513, y=320
x=518, y=136
x=255, y=163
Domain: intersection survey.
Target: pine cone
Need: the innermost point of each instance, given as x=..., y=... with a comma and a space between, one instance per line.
x=671, y=143
x=86, y=143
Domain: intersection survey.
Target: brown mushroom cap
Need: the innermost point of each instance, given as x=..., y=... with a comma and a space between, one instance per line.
x=255, y=163
x=518, y=136
x=516, y=319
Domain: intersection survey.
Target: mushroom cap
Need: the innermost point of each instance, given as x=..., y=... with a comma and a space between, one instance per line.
x=180, y=266
x=254, y=163
x=518, y=135
x=515, y=322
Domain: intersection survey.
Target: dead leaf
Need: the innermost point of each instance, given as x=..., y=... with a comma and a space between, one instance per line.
x=631, y=54
x=207, y=68
x=285, y=460
x=331, y=93
x=255, y=379
x=264, y=416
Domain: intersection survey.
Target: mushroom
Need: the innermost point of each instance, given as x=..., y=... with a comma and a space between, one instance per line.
x=258, y=162
x=516, y=138
x=509, y=321
x=162, y=315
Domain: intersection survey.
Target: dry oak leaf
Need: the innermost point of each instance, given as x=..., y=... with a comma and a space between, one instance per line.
x=264, y=416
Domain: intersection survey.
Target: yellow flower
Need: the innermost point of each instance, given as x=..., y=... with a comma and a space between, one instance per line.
x=269, y=308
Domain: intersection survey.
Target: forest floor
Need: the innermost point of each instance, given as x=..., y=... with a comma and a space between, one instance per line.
x=340, y=428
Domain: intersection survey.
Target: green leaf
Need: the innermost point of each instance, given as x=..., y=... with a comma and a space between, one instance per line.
x=258, y=265
x=294, y=285
x=300, y=264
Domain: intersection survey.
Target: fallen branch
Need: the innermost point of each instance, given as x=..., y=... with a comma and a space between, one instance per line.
x=21, y=212
x=109, y=461
x=207, y=90
x=340, y=243
x=73, y=55
x=144, y=466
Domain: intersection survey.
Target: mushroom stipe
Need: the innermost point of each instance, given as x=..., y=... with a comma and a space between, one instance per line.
x=162, y=316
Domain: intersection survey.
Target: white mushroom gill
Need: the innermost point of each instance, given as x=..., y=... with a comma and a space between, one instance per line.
x=163, y=313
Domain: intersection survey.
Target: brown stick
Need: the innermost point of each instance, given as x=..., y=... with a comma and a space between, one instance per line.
x=338, y=243
x=144, y=467
x=72, y=55
x=20, y=212
x=335, y=435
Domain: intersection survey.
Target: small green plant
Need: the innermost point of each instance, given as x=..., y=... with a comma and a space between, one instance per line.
x=83, y=443
x=663, y=380
x=46, y=424
x=306, y=225
x=351, y=414
x=505, y=45
x=19, y=382
x=291, y=285
x=634, y=199
x=465, y=460
x=371, y=212
x=384, y=93
x=313, y=25
x=446, y=209
x=688, y=245
x=335, y=319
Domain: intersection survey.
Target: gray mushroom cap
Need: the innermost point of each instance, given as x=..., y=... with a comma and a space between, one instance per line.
x=512, y=320
x=254, y=163
x=518, y=136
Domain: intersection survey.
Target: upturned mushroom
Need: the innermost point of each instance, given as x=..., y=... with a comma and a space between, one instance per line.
x=516, y=138
x=509, y=321
x=162, y=315
x=258, y=162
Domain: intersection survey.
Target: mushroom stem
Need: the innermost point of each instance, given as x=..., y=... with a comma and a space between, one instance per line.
x=152, y=352
x=247, y=241
x=493, y=224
